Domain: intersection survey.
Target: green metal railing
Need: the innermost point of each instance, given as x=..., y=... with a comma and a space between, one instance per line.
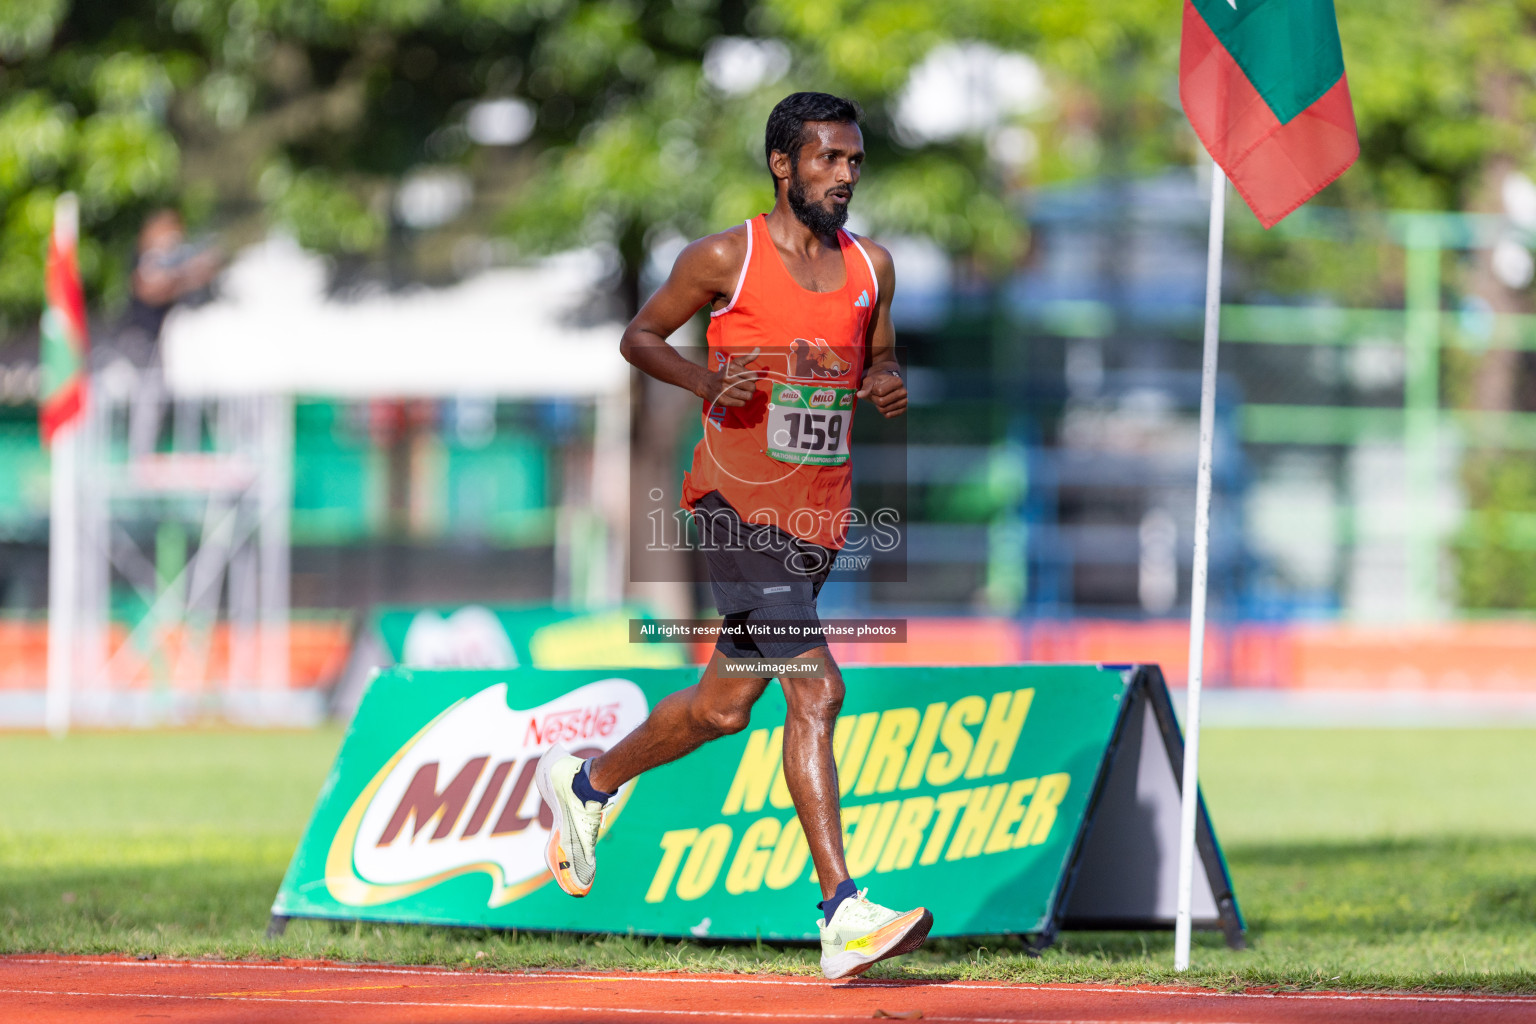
x=1420, y=327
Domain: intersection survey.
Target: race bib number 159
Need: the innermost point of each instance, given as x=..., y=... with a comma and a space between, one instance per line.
x=808, y=424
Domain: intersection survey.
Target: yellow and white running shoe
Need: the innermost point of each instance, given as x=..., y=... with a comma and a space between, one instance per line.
x=571, y=853
x=862, y=934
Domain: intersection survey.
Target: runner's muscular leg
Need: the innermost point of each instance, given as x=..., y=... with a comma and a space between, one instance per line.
x=715, y=706
x=809, y=768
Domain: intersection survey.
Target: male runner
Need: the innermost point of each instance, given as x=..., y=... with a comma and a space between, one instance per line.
x=799, y=330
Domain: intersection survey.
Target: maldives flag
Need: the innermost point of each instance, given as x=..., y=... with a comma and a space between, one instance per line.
x=64, y=341
x=1262, y=82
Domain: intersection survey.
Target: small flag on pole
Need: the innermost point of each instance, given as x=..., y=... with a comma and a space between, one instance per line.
x=64, y=339
x=1263, y=84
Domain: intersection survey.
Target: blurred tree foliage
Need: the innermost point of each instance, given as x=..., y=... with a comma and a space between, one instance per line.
x=308, y=113
x=299, y=112
x=1445, y=100
x=675, y=154
x=1441, y=90
x=1495, y=550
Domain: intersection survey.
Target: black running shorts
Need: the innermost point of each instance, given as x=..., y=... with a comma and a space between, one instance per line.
x=761, y=574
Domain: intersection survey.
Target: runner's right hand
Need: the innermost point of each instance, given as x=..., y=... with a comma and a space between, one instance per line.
x=733, y=384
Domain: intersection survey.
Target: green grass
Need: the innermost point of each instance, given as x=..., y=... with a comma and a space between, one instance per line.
x=1362, y=859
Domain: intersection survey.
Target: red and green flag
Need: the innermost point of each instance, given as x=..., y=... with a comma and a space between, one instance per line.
x=64, y=340
x=1263, y=84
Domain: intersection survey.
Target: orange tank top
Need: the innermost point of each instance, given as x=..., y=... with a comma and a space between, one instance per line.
x=784, y=458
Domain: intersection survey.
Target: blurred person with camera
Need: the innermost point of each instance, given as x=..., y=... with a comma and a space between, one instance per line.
x=168, y=270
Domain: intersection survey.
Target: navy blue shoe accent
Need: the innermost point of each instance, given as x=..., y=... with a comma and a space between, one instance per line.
x=585, y=791
x=847, y=889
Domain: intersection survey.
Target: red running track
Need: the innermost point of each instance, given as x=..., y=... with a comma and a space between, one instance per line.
x=78, y=990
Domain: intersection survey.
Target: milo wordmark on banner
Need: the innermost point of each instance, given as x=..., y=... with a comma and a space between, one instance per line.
x=963, y=789
x=414, y=825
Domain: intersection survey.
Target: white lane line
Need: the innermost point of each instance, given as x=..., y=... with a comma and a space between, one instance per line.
x=713, y=1014
x=885, y=983
x=237, y=966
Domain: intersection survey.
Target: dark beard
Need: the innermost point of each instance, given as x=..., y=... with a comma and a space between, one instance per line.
x=818, y=218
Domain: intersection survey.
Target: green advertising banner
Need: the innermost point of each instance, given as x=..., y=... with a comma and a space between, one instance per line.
x=967, y=790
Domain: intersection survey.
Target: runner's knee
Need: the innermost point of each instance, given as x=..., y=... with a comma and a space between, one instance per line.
x=819, y=698
x=722, y=720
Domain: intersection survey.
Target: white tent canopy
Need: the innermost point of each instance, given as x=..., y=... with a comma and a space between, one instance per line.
x=507, y=332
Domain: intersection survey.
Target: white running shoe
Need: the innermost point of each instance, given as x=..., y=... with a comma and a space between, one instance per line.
x=862, y=934
x=570, y=855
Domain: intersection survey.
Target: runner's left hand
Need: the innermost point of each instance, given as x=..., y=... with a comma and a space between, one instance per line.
x=886, y=390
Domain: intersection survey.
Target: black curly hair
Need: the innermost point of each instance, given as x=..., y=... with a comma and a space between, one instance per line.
x=786, y=125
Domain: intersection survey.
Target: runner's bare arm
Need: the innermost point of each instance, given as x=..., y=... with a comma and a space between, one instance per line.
x=882, y=381
x=705, y=273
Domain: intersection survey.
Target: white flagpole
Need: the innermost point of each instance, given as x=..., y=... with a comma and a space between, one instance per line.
x=63, y=535
x=63, y=576
x=1191, y=787
x=63, y=530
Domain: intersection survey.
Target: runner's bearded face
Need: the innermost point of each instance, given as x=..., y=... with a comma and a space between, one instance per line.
x=823, y=174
